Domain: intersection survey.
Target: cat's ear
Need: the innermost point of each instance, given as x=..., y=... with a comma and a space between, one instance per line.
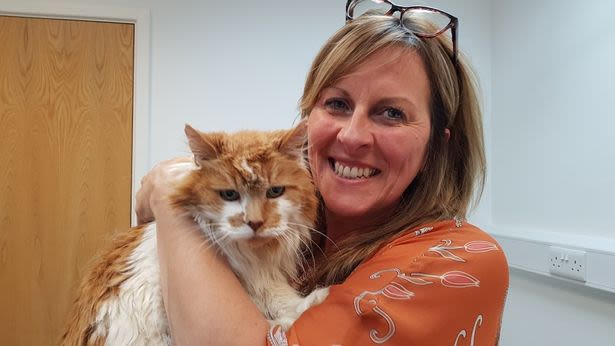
x=203, y=147
x=293, y=141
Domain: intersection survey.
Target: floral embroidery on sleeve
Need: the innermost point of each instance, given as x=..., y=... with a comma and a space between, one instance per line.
x=403, y=276
x=398, y=288
x=368, y=300
x=454, y=279
x=476, y=246
x=276, y=336
x=423, y=231
x=477, y=323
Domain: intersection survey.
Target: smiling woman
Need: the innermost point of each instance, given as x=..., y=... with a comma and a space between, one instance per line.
x=381, y=127
x=396, y=153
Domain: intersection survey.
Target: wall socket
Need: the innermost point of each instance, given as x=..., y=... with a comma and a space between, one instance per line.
x=567, y=263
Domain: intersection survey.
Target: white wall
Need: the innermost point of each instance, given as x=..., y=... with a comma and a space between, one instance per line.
x=541, y=311
x=553, y=157
x=229, y=65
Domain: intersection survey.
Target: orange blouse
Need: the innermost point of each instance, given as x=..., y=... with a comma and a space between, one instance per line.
x=444, y=283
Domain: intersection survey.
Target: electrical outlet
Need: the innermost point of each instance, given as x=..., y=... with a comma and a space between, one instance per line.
x=568, y=263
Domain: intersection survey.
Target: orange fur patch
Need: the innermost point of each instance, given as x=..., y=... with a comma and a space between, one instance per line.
x=100, y=284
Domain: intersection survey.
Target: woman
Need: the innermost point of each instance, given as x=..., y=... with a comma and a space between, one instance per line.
x=396, y=152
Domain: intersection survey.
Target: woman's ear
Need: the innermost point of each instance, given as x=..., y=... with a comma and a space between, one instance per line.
x=447, y=134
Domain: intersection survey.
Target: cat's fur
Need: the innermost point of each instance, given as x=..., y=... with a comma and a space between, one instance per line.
x=260, y=233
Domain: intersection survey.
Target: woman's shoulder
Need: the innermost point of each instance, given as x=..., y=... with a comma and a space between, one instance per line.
x=455, y=251
x=444, y=238
x=455, y=229
x=434, y=284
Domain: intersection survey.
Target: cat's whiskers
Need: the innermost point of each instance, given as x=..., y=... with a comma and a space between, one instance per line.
x=211, y=239
x=301, y=254
x=219, y=238
x=207, y=241
x=317, y=232
x=299, y=251
x=287, y=238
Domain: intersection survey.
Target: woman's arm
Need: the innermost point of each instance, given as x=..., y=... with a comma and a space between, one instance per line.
x=204, y=301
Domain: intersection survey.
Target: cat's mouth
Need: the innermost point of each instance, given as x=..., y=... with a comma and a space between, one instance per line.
x=257, y=241
x=352, y=172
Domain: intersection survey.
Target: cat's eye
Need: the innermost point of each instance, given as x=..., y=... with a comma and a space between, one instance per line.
x=275, y=191
x=229, y=195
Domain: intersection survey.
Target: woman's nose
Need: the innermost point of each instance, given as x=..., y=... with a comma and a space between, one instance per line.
x=356, y=132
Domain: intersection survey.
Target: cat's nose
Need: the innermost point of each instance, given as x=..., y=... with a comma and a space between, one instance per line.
x=255, y=225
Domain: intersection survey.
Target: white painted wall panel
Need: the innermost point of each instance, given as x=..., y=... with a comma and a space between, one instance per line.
x=553, y=159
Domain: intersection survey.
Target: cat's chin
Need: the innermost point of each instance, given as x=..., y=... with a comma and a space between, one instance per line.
x=260, y=242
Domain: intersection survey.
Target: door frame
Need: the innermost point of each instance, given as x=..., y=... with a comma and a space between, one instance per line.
x=141, y=85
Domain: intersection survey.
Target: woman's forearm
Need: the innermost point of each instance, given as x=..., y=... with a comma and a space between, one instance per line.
x=204, y=301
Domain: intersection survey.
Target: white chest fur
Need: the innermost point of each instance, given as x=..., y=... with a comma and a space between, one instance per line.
x=136, y=315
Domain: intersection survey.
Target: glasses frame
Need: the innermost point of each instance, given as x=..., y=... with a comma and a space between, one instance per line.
x=453, y=24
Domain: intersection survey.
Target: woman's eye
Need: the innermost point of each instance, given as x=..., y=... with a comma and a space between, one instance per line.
x=337, y=106
x=275, y=191
x=229, y=195
x=394, y=113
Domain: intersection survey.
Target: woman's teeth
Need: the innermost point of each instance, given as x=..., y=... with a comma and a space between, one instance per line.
x=353, y=172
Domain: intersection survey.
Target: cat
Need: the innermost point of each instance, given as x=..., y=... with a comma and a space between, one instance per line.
x=253, y=198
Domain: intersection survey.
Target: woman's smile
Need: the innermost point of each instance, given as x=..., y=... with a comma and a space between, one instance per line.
x=352, y=171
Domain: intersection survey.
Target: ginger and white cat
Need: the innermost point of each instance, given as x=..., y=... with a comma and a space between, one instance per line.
x=252, y=196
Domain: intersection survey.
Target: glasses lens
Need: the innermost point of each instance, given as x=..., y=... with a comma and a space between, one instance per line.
x=369, y=7
x=425, y=22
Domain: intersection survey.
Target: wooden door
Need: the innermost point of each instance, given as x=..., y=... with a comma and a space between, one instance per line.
x=65, y=163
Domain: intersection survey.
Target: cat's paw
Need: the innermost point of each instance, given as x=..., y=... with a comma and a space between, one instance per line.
x=316, y=297
x=284, y=322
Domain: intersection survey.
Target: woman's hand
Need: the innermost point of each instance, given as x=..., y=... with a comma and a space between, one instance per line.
x=158, y=184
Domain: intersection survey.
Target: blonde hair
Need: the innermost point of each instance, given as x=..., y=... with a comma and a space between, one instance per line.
x=454, y=167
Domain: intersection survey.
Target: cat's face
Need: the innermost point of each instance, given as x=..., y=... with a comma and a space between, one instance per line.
x=250, y=186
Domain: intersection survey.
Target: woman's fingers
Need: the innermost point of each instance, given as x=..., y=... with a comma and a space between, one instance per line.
x=157, y=184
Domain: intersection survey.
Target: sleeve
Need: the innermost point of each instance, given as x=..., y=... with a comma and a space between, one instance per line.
x=444, y=289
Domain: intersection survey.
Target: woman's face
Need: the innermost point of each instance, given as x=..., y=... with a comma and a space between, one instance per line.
x=368, y=135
